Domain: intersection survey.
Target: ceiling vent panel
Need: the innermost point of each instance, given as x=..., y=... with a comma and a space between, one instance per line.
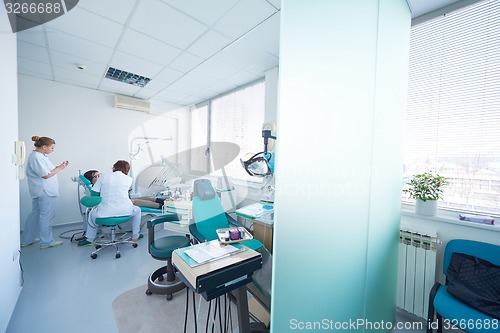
x=129, y=103
x=126, y=77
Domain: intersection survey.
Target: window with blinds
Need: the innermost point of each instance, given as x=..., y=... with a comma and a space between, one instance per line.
x=238, y=118
x=234, y=117
x=453, y=109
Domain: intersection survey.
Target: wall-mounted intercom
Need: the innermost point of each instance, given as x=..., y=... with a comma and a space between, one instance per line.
x=19, y=158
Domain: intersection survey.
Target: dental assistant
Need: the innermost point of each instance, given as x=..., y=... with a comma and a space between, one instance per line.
x=44, y=189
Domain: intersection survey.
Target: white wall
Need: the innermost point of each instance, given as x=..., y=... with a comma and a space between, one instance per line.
x=89, y=132
x=9, y=237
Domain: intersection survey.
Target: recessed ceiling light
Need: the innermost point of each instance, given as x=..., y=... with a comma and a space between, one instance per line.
x=126, y=77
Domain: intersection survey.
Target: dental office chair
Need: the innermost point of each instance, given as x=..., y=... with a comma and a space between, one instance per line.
x=161, y=248
x=112, y=239
x=447, y=307
x=209, y=215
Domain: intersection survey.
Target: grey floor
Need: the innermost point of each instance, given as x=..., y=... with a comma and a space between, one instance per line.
x=64, y=290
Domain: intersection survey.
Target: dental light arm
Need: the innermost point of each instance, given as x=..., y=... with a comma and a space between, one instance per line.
x=266, y=134
x=260, y=164
x=145, y=141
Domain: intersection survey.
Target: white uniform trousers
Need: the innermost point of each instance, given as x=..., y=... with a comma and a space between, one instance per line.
x=135, y=220
x=39, y=222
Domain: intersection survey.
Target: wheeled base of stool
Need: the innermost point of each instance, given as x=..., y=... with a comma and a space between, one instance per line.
x=113, y=241
x=166, y=288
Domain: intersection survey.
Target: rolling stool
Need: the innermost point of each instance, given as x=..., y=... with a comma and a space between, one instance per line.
x=161, y=249
x=112, y=222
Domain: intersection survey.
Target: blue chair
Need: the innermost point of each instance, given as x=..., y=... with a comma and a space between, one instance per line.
x=446, y=307
x=161, y=248
x=209, y=215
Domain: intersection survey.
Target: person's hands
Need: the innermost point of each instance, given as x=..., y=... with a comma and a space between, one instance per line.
x=63, y=165
x=58, y=168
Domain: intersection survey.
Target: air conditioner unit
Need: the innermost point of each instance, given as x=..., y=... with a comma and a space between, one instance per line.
x=131, y=103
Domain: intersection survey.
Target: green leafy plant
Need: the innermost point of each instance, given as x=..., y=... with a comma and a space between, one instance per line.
x=426, y=186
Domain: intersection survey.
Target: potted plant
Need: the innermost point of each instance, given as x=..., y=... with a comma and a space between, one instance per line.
x=426, y=188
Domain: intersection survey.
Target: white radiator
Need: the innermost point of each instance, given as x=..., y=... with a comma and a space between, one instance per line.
x=416, y=271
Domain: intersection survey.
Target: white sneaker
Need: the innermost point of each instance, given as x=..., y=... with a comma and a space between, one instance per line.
x=35, y=241
x=136, y=238
x=52, y=244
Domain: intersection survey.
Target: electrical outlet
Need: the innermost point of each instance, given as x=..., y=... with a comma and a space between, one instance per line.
x=15, y=255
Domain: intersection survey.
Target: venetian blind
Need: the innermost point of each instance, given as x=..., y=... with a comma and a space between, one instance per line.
x=453, y=109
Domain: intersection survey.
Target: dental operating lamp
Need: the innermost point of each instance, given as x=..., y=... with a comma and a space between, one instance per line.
x=260, y=164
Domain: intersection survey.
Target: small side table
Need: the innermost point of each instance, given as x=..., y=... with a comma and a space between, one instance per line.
x=263, y=230
x=262, y=220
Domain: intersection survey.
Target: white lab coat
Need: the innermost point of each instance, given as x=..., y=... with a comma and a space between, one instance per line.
x=37, y=166
x=114, y=187
x=44, y=193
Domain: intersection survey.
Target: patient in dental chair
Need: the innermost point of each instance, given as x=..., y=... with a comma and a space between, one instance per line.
x=93, y=175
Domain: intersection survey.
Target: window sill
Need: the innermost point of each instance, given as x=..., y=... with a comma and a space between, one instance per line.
x=447, y=217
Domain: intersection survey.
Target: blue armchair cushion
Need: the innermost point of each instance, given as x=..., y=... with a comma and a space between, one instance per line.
x=471, y=320
x=476, y=282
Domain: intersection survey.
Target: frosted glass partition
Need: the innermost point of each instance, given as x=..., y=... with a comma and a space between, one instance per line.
x=343, y=71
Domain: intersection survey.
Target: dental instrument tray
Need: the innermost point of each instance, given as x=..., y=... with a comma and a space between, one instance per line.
x=233, y=235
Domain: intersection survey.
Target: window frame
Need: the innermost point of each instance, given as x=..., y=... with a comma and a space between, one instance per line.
x=406, y=202
x=248, y=180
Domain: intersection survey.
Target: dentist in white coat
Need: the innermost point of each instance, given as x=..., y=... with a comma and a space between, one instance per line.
x=113, y=188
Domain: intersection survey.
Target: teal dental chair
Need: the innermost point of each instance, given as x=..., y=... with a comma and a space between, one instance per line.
x=89, y=201
x=209, y=215
x=161, y=248
x=86, y=202
x=446, y=307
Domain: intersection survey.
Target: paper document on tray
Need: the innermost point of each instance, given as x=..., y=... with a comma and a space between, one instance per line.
x=205, y=252
x=256, y=210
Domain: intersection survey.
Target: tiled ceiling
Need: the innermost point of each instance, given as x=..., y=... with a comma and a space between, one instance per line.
x=191, y=49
